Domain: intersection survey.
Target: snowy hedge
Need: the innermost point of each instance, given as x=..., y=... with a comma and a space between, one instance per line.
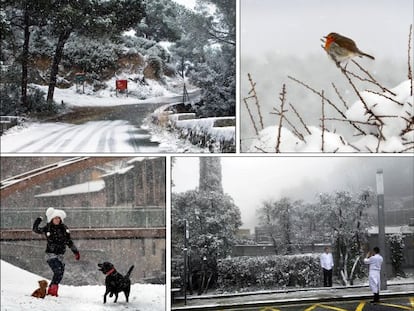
x=269, y=272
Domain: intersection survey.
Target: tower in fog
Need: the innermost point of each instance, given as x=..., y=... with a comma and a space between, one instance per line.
x=210, y=174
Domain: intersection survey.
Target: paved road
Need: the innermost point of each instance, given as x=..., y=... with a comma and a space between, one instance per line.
x=390, y=304
x=89, y=129
x=352, y=298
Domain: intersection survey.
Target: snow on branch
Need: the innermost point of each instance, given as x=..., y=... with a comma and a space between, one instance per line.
x=382, y=118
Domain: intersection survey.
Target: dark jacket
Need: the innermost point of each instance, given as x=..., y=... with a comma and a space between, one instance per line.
x=57, y=237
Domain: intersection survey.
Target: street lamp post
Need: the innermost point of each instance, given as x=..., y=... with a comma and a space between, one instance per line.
x=381, y=226
x=186, y=237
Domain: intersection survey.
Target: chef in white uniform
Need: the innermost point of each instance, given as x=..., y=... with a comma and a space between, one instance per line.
x=374, y=260
x=327, y=265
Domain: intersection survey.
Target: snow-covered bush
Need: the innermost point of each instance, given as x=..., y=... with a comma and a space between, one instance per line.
x=396, y=242
x=92, y=56
x=382, y=123
x=203, y=132
x=269, y=272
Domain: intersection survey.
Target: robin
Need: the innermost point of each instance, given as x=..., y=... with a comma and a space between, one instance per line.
x=341, y=48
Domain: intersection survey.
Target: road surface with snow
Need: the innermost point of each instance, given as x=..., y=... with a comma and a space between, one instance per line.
x=109, y=129
x=17, y=286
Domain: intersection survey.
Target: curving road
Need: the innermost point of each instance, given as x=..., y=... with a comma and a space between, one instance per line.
x=115, y=129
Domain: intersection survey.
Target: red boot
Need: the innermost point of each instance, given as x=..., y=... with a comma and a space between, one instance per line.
x=53, y=290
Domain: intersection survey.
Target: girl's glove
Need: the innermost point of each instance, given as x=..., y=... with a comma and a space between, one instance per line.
x=77, y=255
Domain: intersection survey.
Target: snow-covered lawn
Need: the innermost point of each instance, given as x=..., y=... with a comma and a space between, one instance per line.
x=17, y=286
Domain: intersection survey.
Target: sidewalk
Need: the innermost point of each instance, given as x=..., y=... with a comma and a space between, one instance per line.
x=291, y=295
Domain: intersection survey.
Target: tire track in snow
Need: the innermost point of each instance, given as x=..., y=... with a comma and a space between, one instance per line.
x=65, y=137
x=89, y=132
x=34, y=142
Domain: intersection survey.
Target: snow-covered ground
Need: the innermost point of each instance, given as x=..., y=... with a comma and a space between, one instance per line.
x=394, y=111
x=116, y=136
x=17, y=285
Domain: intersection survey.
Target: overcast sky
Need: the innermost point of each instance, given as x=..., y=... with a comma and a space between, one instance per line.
x=380, y=27
x=250, y=180
x=188, y=3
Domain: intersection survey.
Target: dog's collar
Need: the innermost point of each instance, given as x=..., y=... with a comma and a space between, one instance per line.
x=110, y=271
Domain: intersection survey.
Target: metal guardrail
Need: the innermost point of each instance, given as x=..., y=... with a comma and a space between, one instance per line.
x=87, y=234
x=108, y=217
x=7, y=122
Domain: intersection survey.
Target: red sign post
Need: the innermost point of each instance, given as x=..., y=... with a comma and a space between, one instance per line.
x=121, y=86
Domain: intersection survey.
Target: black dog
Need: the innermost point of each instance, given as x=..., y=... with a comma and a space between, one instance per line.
x=114, y=281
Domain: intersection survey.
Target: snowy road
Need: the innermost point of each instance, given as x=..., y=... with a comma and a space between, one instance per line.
x=92, y=136
x=99, y=129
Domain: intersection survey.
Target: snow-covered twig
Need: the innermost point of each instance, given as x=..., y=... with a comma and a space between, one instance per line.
x=410, y=72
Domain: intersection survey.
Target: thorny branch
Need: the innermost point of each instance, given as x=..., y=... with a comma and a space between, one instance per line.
x=300, y=119
x=282, y=103
x=372, y=79
x=340, y=96
x=329, y=102
x=253, y=91
x=323, y=122
x=410, y=72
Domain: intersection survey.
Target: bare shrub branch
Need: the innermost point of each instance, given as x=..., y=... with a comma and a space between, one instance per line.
x=372, y=79
x=410, y=72
x=329, y=102
x=251, y=116
x=253, y=91
x=300, y=119
x=282, y=98
x=385, y=96
x=340, y=96
x=323, y=122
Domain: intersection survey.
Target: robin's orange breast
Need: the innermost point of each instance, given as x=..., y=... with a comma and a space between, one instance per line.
x=328, y=42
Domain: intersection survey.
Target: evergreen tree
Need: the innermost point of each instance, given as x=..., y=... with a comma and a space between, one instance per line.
x=91, y=17
x=24, y=15
x=208, y=44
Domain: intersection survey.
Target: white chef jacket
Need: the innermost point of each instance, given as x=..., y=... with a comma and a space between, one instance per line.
x=327, y=261
x=374, y=278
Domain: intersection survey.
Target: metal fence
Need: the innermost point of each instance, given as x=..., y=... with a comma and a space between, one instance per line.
x=115, y=217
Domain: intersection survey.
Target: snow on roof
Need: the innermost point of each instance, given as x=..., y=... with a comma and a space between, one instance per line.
x=87, y=187
x=393, y=229
x=120, y=171
x=140, y=159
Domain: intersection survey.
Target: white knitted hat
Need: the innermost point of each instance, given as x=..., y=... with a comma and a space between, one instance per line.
x=52, y=213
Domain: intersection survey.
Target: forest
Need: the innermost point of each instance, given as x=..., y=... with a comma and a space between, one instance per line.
x=48, y=42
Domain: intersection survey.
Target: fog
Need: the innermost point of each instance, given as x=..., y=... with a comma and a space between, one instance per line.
x=251, y=180
x=280, y=38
